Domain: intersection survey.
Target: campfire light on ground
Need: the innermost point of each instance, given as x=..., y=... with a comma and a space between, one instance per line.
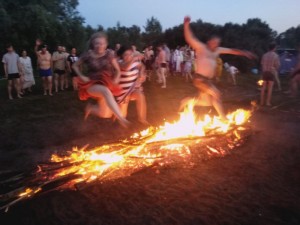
x=155, y=146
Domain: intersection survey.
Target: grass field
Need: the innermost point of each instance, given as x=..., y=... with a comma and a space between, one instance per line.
x=257, y=184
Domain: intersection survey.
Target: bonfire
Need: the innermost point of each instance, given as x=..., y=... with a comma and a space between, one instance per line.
x=191, y=136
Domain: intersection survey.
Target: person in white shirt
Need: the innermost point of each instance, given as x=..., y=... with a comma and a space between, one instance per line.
x=13, y=71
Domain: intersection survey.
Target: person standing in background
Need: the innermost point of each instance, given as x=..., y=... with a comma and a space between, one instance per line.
x=28, y=79
x=270, y=64
x=161, y=64
x=59, y=68
x=45, y=66
x=71, y=59
x=13, y=71
x=66, y=81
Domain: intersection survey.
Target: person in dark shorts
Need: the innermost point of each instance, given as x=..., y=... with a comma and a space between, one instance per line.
x=45, y=65
x=71, y=59
x=270, y=64
x=59, y=68
x=13, y=70
x=45, y=73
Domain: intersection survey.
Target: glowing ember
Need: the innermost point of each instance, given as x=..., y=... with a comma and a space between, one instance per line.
x=164, y=145
x=260, y=82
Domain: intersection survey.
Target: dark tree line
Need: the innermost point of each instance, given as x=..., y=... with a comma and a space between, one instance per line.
x=58, y=22
x=53, y=21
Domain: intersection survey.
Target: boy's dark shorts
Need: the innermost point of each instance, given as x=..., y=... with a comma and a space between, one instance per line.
x=268, y=76
x=59, y=72
x=45, y=73
x=202, y=82
x=12, y=76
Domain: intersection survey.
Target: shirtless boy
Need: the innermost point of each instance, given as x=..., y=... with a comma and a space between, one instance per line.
x=45, y=65
x=206, y=55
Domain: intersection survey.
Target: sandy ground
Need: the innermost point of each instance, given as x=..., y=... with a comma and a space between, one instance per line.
x=257, y=184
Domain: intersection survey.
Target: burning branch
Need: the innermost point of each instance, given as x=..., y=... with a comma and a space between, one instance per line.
x=156, y=146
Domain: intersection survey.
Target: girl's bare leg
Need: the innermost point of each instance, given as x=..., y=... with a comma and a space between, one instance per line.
x=100, y=91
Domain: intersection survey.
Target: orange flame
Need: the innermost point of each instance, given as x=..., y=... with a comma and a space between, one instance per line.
x=99, y=161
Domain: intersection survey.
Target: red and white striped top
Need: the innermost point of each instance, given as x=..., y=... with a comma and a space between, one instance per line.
x=128, y=80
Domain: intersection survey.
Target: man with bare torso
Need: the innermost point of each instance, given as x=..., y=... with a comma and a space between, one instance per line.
x=45, y=66
x=205, y=67
x=59, y=60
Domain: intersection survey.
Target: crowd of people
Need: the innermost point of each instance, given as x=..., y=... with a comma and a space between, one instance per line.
x=114, y=77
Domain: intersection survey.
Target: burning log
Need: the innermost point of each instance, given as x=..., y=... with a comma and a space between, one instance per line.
x=161, y=146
